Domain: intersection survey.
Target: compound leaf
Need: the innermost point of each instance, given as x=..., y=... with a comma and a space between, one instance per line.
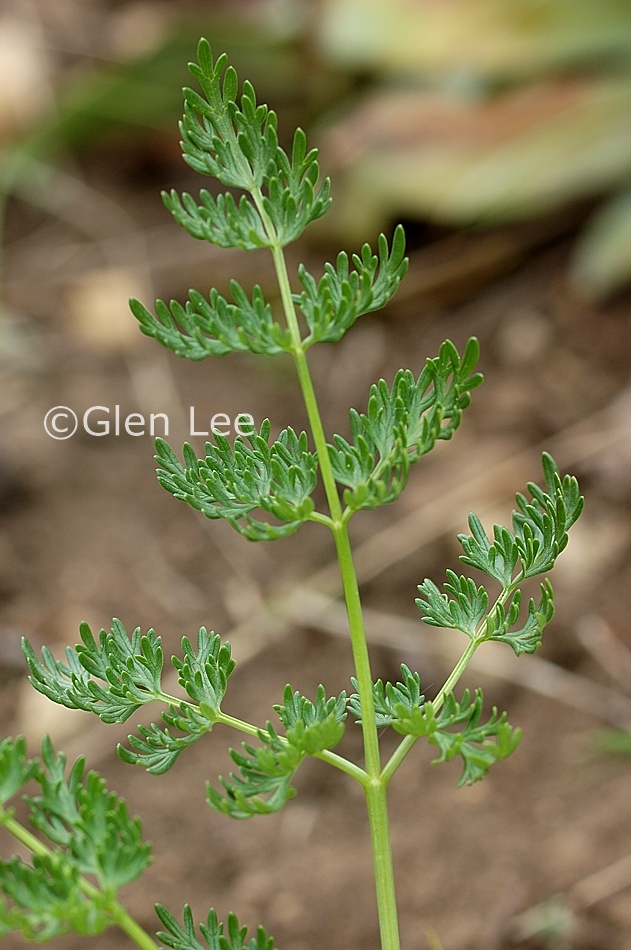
x=540, y=530
x=332, y=305
x=111, y=678
x=90, y=823
x=46, y=900
x=401, y=424
x=264, y=771
x=214, y=327
x=204, y=674
x=231, y=483
x=15, y=768
x=464, y=610
x=312, y=728
x=157, y=749
x=238, y=145
x=479, y=746
x=269, y=769
x=528, y=638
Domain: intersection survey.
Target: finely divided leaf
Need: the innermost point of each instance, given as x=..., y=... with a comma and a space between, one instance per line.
x=219, y=220
x=269, y=769
x=111, y=678
x=332, y=305
x=204, y=674
x=401, y=424
x=90, y=823
x=479, y=746
x=231, y=483
x=528, y=638
x=158, y=749
x=464, y=610
x=388, y=696
x=312, y=728
x=15, y=768
x=291, y=197
x=238, y=145
x=296, y=708
x=498, y=558
x=46, y=900
x=539, y=530
x=184, y=937
x=264, y=771
x=214, y=327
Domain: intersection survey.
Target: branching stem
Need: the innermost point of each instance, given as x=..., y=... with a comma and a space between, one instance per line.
x=338, y=761
x=408, y=742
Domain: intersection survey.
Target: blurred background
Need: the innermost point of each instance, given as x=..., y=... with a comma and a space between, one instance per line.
x=500, y=134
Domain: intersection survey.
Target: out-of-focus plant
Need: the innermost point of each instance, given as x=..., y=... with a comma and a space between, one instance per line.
x=500, y=112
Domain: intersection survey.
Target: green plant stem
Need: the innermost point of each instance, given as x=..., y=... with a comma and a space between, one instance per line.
x=116, y=911
x=133, y=929
x=376, y=800
x=375, y=787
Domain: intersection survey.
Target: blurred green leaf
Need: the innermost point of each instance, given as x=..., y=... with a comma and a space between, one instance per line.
x=461, y=161
x=602, y=259
x=479, y=38
x=612, y=741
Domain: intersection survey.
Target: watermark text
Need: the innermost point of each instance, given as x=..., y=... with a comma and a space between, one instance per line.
x=62, y=423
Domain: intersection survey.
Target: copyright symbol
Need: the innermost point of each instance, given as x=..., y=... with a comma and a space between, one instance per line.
x=60, y=422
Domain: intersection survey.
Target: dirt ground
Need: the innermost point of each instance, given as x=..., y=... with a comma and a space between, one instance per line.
x=86, y=533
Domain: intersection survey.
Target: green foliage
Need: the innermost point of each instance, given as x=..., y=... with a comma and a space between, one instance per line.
x=388, y=697
x=91, y=833
x=214, y=327
x=479, y=746
x=92, y=824
x=185, y=938
x=15, y=768
x=157, y=749
x=239, y=147
x=46, y=900
x=117, y=675
x=269, y=769
x=332, y=305
x=463, y=611
x=231, y=483
x=402, y=424
x=539, y=535
x=526, y=639
x=204, y=674
x=112, y=678
x=297, y=709
x=539, y=530
x=466, y=611
x=219, y=220
x=266, y=770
